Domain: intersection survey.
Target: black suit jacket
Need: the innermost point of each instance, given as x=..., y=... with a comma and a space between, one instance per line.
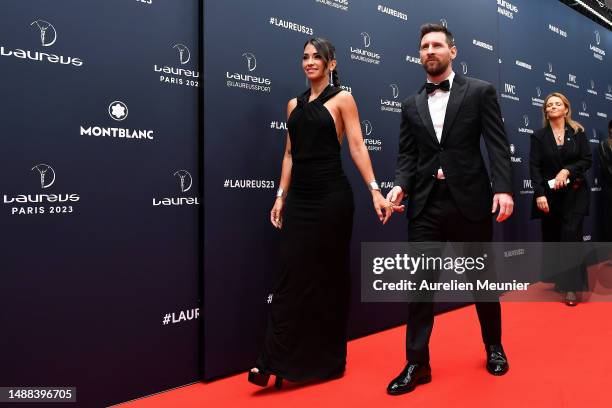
x=545, y=163
x=472, y=111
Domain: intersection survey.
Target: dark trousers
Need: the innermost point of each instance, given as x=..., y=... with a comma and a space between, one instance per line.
x=442, y=221
x=565, y=266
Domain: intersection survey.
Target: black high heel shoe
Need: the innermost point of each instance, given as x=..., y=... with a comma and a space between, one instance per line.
x=261, y=378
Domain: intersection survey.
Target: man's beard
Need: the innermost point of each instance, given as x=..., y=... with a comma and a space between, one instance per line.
x=437, y=70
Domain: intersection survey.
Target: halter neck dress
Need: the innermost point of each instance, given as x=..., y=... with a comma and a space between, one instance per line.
x=306, y=336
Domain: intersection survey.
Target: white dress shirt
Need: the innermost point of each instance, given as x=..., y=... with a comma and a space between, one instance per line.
x=437, y=102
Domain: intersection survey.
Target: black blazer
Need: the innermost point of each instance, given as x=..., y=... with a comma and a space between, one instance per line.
x=472, y=111
x=605, y=159
x=545, y=163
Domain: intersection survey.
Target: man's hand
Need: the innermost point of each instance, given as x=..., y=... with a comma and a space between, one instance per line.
x=506, y=205
x=395, y=196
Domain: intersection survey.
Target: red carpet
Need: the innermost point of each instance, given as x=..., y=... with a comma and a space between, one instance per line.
x=559, y=357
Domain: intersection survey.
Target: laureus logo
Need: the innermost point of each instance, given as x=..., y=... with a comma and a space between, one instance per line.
x=464, y=67
x=395, y=90
x=597, y=37
x=184, y=53
x=584, y=106
x=118, y=110
x=444, y=22
x=185, y=180
x=251, y=61
x=592, y=84
x=48, y=34
x=539, y=91
x=46, y=173
x=550, y=67
x=367, y=127
x=526, y=120
x=366, y=39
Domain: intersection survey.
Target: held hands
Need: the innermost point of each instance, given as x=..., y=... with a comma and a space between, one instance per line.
x=542, y=204
x=276, y=214
x=384, y=208
x=561, y=179
x=506, y=205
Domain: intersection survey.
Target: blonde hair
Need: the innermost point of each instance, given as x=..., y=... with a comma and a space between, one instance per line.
x=568, y=116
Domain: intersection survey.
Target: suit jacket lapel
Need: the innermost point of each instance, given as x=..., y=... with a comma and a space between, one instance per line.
x=457, y=95
x=423, y=109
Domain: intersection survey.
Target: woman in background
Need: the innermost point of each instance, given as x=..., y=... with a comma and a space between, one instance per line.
x=559, y=159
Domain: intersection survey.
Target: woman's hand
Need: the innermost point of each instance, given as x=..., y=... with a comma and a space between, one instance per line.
x=542, y=204
x=383, y=207
x=276, y=214
x=561, y=179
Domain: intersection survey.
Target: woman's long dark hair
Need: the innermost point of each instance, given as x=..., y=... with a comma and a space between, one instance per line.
x=327, y=52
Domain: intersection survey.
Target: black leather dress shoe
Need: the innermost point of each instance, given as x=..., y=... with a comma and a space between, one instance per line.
x=411, y=376
x=497, y=362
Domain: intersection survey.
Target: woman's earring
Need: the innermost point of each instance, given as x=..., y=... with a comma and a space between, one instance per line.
x=331, y=76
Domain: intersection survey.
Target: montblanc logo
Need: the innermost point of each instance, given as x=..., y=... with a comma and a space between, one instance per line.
x=366, y=39
x=251, y=61
x=43, y=203
x=391, y=105
x=46, y=173
x=464, y=67
x=118, y=111
x=247, y=81
x=364, y=54
x=523, y=64
x=537, y=100
x=592, y=90
x=510, y=92
x=526, y=128
x=184, y=53
x=176, y=75
x=48, y=36
x=185, y=183
x=598, y=53
x=185, y=180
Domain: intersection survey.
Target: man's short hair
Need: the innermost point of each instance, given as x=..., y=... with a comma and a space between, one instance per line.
x=437, y=28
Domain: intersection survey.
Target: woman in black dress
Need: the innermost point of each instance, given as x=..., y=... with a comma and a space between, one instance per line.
x=559, y=159
x=306, y=336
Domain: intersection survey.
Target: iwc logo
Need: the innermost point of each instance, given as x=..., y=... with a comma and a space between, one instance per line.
x=118, y=111
x=45, y=202
x=185, y=182
x=46, y=35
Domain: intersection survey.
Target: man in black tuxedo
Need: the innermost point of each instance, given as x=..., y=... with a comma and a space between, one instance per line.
x=441, y=171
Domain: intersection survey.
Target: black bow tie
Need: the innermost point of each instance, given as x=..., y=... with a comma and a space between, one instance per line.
x=444, y=86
